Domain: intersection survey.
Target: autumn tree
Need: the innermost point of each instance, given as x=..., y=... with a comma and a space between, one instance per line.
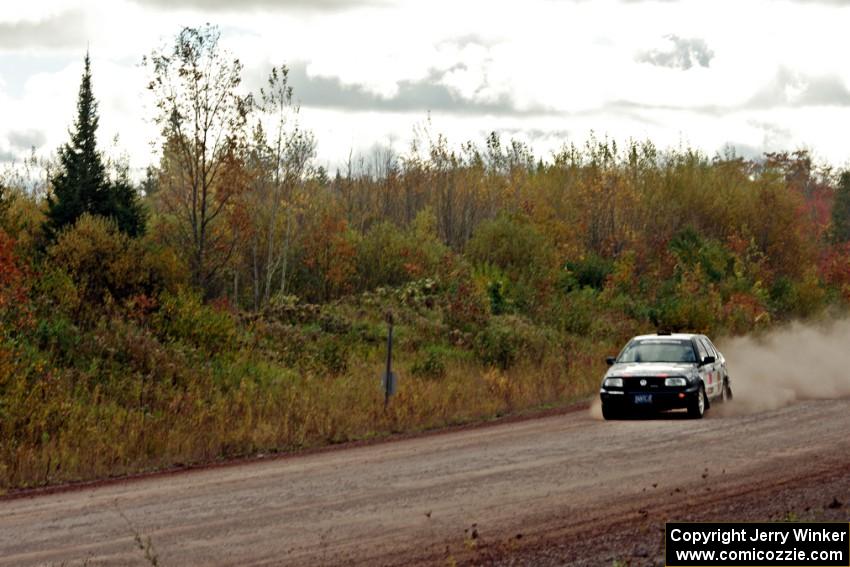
x=202, y=116
x=279, y=160
x=82, y=184
x=329, y=258
x=841, y=210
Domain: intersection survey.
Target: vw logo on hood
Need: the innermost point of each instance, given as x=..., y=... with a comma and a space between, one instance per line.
x=643, y=382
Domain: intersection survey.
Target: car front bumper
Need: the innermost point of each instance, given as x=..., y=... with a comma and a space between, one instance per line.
x=660, y=398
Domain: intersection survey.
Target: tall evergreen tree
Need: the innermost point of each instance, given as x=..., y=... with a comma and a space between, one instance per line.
x=841, y=210
x=81, y=184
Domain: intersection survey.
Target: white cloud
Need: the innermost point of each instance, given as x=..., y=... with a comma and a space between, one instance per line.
x=758, y=73
x=36, y=10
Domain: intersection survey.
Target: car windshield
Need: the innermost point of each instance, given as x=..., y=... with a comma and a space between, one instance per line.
x=659, y=351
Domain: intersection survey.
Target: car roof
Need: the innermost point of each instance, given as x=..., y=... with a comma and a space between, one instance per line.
x=684, y=336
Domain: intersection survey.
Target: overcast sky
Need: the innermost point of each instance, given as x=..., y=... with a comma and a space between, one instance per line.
x=759, y=75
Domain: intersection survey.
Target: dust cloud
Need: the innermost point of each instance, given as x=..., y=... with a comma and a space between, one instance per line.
x=596, y=408
x=797, y=362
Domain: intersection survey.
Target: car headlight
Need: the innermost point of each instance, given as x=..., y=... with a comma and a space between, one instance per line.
x=675, y=382
x=613, y=383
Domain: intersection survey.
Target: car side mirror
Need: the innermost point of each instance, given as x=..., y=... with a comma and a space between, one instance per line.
x=708, y=360
x=610, y=360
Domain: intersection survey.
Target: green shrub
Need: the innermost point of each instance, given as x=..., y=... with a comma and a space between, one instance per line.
x=56, y=292
x=803, y=298
x=497, y=287
x=508, y=339
x=783, y=296
x=59, y=336
x=514, y=245
x=689, y=304
x=107, y=266
x=184, y=317
x=388, y=256
x=332, y=355
x=464, y=306
x=690, y=250
x=276, y=341
x=499, y=304
x=368, y=332
x=591, y=271
x=578, y=310
x=431, y=363
x=380, y=257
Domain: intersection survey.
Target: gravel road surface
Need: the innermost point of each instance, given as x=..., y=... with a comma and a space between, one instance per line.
x=561, y=489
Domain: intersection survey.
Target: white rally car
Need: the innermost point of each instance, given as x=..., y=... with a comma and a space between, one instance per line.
x=663, y=372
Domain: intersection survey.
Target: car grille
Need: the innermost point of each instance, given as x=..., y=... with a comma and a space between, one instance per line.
x=633, y=383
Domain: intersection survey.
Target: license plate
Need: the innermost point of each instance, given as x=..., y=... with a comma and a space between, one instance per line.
x=643, y=398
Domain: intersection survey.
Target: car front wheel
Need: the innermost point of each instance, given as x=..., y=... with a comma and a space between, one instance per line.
x=696, y=409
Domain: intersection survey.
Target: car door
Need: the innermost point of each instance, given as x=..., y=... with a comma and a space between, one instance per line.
x=714, y=381
x=701, y=368
x=720, y=366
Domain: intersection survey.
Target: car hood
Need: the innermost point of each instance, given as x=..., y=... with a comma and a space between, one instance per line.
x=650, y=369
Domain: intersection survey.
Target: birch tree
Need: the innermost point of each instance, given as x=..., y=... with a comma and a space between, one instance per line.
x=283, y=152
x=202, y=116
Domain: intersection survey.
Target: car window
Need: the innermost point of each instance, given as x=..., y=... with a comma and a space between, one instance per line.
x=658, y=350
x=709, y=349
x=700, y=348
x=714, y=348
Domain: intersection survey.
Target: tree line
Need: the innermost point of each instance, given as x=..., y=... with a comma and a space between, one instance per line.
x=238, y=197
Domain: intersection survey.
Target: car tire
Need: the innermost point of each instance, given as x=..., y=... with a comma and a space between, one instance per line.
x=696, y=408
x=609, y=413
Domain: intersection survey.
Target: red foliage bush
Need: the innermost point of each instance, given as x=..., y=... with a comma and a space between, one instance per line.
x=834, y=268
x=14, y=288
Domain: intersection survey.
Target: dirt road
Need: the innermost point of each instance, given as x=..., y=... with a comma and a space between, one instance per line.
x=559, y=488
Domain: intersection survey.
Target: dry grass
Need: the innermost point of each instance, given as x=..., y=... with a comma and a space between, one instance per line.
x=202, y=423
